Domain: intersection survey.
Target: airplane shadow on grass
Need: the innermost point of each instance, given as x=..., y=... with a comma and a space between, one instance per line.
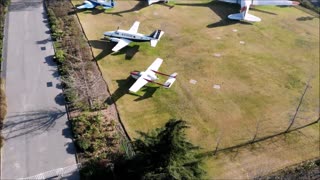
x=141, y=4
x=107, y=46
x=94, y=11
x=222, y=9
x=123, y=89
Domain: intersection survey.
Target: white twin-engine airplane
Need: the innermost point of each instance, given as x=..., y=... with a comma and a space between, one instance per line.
x=245, y=5
x=123, y=37
x=150, y=76
x=90, y=4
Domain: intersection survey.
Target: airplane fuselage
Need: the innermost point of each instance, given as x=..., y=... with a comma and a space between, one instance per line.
x=137, y=74
x=122, y=34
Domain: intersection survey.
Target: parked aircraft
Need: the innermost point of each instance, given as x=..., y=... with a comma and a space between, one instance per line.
x=245, y=5
x=156, y=1
x=124, y=37
x=150, y=76
x=90, y=4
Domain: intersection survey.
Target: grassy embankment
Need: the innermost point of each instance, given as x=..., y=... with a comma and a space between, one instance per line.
x=3, y=103
x=261, y=81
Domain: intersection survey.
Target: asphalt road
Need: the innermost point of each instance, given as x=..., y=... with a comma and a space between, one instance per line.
x=36, y=131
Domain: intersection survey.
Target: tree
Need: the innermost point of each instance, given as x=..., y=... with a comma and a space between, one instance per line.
x=163, y=153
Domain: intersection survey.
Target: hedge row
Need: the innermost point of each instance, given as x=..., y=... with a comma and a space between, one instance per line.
x=95, y=136
x=3, y=104
x=3, y=108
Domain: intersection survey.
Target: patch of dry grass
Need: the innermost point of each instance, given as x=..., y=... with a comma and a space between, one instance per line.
x=261, y=80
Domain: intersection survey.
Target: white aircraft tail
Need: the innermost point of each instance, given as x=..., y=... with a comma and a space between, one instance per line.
x=112, y=3
x=244, y=15
x=108, y=5
x=247, y=17
x=170, y=80
x=156, y=35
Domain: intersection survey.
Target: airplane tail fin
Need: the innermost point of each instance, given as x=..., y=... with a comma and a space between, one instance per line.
x=244, y=15
x=112, y=3
x=109, y=5
x=156, y=35
x=170, y=80
x=247, y=17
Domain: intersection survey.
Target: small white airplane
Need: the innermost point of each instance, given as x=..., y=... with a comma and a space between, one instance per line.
x=245, y=5
x=156, y=1
x=150, y=76
x=124, y=37
x=90, y=4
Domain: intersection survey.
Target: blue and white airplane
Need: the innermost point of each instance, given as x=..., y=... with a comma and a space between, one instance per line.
x=245, y=5
x=90, y=4
x=125, y=37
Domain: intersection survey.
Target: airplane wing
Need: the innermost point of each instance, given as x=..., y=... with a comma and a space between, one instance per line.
x=155, y=65
x=230, y=1
x=244, y=15
x=275, y=2
x=134, y=28
x=138, y=84
x=121, y=44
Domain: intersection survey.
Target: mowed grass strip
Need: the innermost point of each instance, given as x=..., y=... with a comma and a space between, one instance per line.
x=261, y=80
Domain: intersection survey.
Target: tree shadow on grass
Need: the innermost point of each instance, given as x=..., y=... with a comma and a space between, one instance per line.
x=307, y=18
x=106, y=47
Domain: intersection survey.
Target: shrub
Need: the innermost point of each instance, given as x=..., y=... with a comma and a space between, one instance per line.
x=91, y=135
x=59, y=56
x=3, y=103
x=84, y=143
x=1, y=141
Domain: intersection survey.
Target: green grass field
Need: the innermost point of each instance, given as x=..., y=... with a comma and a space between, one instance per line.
x=261, y=80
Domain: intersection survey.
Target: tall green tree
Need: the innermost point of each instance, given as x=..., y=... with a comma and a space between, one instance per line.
x=163, y=153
